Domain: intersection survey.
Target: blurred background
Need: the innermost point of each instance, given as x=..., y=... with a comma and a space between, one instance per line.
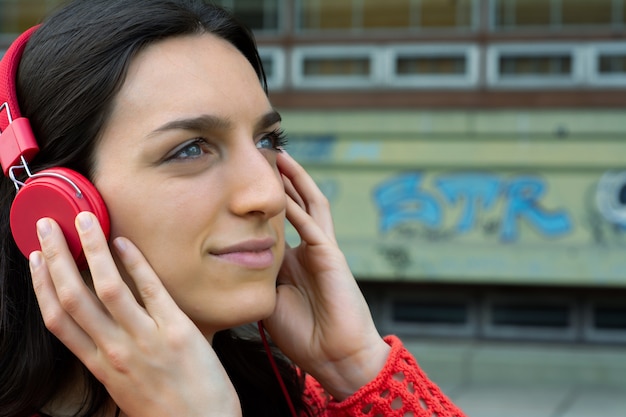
x=474, y=155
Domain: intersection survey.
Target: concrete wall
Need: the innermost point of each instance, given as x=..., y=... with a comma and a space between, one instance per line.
x=472, y=196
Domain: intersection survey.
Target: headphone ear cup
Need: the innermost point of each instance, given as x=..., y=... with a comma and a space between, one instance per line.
x=51, y=193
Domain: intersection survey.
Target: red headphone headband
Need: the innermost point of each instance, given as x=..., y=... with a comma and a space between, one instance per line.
x=57, y=192
x=16, y=137
x=8, y=76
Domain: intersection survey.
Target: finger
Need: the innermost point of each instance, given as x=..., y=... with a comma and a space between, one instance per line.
x=73, y=295
x=315, y=201
x=300, y=181
x=157, y=301
x=304, y=224
x=291, y=192
x=54, y=315
x=109, y=286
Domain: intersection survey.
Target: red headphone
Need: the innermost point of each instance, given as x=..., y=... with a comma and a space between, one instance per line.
x=58, y=193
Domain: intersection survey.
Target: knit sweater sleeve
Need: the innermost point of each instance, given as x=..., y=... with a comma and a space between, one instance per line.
x=401, y=389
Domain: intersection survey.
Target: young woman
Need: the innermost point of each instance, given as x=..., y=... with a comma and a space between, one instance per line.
x=161, y=104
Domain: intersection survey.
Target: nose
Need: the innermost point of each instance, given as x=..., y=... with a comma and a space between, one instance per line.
x=255, y=183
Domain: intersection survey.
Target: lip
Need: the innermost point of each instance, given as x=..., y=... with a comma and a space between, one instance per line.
x=252, y=254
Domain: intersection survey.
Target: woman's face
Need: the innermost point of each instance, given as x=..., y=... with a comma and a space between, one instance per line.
x=187, y=167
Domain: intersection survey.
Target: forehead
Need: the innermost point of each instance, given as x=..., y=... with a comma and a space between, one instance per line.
x=190, y=73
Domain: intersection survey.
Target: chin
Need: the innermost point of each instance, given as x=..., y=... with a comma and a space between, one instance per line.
x=247, y=308
x=258, y=308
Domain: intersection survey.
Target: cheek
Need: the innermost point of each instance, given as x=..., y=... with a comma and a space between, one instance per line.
x=128, y=210
x=141, y=214
x=165, y=236
x=154, y=225
x=166, y=221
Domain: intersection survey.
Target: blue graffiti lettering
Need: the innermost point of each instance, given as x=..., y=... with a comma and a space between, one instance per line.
x=311, y=148
x=522, y=198
x=400, y=200
x=479, y=191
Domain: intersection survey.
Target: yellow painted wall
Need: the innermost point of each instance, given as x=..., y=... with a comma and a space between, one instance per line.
x=500, y=197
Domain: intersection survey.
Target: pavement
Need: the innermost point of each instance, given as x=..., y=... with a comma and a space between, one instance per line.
x=518, y=379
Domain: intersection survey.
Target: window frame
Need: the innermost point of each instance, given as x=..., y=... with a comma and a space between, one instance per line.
x=508, y=331
x=595, y=51
x=495, y=80
x=302, y=81
x=468, y=80
x=593, y=334
x=468, y=329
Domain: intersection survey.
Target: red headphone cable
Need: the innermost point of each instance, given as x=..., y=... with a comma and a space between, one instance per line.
x=275, y=368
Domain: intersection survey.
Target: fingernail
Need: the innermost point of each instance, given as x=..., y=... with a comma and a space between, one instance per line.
x=84, y=220
x=120, y=244
x=43, y=227
x=35, y=259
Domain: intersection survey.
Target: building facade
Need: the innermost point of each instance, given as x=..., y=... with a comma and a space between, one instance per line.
x=473, y=152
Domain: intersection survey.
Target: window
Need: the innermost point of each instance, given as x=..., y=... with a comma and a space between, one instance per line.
x=445, y=14
x=533, y=317
x=538, y=65
x=514, y=13
x=361, y=15
x=612, y=64
x=541, y=66
x=609, y=317
x=386, y=14
x=530, y=315
x=430, y=65
x=607, y=64
x=433, y=66
x=433, y=314
x=517, y=313
x=511, y=14
x=325, y=14
x=605, y=320
x=258, y=15
x=585, y=12
x=429, y=312
x=336, y=67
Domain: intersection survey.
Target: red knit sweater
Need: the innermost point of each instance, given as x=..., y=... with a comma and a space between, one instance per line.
x=401, y=389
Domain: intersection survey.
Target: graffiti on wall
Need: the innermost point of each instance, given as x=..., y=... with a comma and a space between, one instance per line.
x=405, y=200
x=312, y=148
x=605, y=209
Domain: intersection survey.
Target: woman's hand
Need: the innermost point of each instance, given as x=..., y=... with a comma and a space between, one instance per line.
x=151, y=358
x=321, y=320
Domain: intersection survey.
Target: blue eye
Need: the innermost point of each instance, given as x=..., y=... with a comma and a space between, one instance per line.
x=190, y=150
x=275, y=140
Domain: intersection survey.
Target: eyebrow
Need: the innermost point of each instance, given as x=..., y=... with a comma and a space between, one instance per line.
x=207, y=122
